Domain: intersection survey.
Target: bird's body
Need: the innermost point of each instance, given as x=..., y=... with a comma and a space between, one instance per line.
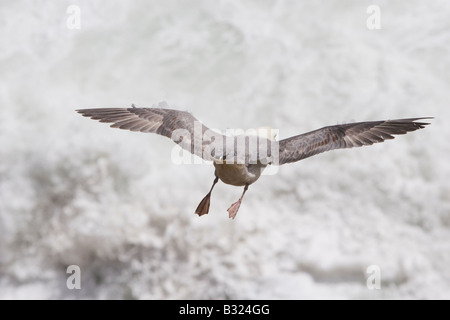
x=240, y=160
x=238, y=174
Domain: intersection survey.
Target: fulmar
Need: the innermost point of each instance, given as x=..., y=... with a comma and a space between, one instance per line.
x=239, y=160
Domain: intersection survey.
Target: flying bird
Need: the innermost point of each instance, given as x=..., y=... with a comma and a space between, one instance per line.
x=240, y=160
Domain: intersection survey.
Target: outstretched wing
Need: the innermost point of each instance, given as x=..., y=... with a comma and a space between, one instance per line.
x=182, y=127
x=344, y=136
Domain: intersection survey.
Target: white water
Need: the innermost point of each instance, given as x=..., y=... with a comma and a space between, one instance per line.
x=73, y=191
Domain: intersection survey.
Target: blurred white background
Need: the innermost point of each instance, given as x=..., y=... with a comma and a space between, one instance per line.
x=75, y=192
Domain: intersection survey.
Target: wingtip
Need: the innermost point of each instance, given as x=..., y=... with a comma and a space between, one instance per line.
x=416, y=121
x=423, y=124
x=83, y=112
x=425, y=118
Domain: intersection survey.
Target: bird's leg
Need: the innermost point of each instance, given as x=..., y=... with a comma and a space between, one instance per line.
x=232, y=211
x=203, y=207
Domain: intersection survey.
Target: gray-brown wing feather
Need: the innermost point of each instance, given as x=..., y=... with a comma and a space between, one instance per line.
x=182, y=127
x=344, y=136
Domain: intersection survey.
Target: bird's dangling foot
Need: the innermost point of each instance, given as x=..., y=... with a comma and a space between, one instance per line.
x=203, y=207
x=233, y=209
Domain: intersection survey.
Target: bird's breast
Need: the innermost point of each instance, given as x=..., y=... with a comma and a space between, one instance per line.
x=235, y=174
